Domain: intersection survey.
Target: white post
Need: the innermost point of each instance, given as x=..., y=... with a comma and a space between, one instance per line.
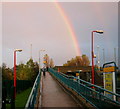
x=115, y=55
x=98, y=59
x=114, y=86
x=104, y=81
x=103, y=55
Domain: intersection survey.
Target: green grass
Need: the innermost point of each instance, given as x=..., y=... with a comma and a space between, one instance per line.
x=21, y=99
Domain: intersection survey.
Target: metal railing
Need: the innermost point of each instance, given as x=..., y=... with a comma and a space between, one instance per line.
x=95, y=96
x=33, y=95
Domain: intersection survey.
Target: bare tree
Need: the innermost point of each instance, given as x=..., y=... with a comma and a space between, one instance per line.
x=51, y=63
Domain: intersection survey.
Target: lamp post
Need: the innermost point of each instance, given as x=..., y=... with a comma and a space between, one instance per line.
x=98, y=58
x=103, y=56
x=16, y=50
x=39, y=57
x=93, y=73
x=115, y=55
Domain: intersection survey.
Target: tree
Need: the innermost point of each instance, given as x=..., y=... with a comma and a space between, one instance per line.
x=78, y=61
x=6, y=72
x=36, y=67
x=51, y=63
x=86, y=61
x=22, y=72
x=28, y=71
x=4, y=66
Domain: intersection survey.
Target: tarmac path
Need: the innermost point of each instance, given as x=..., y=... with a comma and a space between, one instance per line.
x=53, y=94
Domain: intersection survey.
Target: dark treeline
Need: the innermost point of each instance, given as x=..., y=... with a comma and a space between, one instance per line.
x=26, y=71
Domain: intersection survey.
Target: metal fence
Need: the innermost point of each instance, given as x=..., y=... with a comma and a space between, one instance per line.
x=21, y=85
x=33, y=95
x=94, y=94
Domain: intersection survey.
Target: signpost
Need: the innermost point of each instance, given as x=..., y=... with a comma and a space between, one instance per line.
x=109, y=76
x=108, y=81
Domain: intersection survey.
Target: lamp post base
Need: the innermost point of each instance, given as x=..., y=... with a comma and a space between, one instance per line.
x=13, y=98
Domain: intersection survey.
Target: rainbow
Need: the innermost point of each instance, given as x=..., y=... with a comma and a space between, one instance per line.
x=69, y=28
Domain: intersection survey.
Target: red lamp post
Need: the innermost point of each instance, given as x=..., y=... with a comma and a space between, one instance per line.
x=93, y=56
x=17, y=50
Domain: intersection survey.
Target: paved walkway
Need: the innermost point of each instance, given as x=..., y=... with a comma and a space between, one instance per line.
x=54, y=95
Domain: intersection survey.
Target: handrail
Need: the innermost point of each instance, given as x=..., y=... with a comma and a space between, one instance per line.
x=89, y=83
x=32, y=97
x=98, y=87
x=94, y=96
x=66, y=75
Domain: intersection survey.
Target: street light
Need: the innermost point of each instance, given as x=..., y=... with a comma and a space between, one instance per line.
x=103, y=56
x=16, y=50
x=39, y=57
x=100, y=32
x=98, y=58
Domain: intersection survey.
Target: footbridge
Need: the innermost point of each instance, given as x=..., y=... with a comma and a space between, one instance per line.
x=56, y=89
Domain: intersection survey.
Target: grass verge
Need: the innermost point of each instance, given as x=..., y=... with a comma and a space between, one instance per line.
x=21, y=99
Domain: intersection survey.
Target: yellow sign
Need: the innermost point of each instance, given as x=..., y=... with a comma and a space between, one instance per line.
x=109, y=69
x=44, y=62
x=108, y=81
x=77, y=74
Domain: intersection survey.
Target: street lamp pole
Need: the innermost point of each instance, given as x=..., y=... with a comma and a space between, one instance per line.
x=17, y=50
x=115, y=55
x=98, y=59
x=92, y=60
x=93, y=73
x=103, y=56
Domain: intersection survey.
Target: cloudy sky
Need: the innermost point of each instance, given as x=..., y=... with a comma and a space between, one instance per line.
x=45, y=27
